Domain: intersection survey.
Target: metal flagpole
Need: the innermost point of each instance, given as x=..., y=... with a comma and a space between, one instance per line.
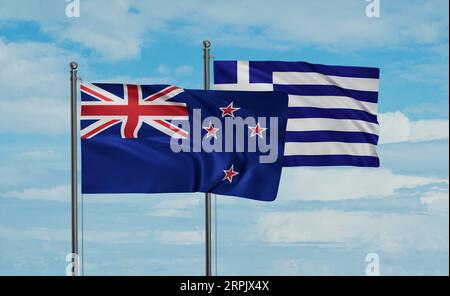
x=74, y=140
x=206, y=66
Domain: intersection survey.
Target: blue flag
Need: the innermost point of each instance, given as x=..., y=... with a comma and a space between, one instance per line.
x=332, y=117
x=161, y=139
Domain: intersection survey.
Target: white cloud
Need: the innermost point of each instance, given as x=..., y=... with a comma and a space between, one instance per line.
x=34, y=69
x=16, y=175
x=127, y=26
x=139, y=80
x=305, y=265
x=383, y=232
x=176, y=206
x=178, y=71
x=173, y=237
x=437, y=201
x=250, y=24
x=345, y=183
x=34, y=115
x=112, y=29
x=108, y=27
x=55, y=193
x=37, y=154
x=437, y=109
x=335, y=184
x=35, y=233
x=34, y=82
x=162, y=69
x=183, y=70
x=396, y=127
x=117, y=236
x=428, y=130
x=59, y=234
x=431, y=73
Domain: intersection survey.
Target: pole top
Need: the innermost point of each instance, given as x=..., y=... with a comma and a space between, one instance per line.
x=73, y=65
x=206, y=43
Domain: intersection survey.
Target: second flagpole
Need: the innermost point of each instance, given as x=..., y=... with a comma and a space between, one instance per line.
x=74, y=160
x=208, y=253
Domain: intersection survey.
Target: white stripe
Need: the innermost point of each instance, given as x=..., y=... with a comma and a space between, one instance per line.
x=125, y=103
x=109, y=117
x=167, y=96
x=149, y=117
x=327, y=124
x=170, y=95
x=161, y=103
x=330, y=148
x=245, y=87
x=176, y=135
x=301, y=78
x=332, y=102
x=166, y=130
x=243, y=72
x=103, y=103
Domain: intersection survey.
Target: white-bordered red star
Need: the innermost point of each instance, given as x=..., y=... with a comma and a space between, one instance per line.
x=229, y=110
x=211, y=131
x=230, y=173
x=257, y=130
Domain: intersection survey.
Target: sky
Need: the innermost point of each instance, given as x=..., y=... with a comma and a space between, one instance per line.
x=325, y=220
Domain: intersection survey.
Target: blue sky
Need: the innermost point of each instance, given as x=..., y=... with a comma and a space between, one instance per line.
x=323, y=222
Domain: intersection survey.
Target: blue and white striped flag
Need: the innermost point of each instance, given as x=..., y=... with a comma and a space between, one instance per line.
x=332, y=117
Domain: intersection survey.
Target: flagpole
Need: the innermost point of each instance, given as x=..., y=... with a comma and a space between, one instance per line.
x=74, y=159
x=206, y=67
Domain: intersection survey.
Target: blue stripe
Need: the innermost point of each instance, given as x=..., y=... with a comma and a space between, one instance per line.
x=261, y=71
x=312, y=112
x=331, y=160
x=86, y=122
x=327, y=90
x=331, y=136
x=88, y=98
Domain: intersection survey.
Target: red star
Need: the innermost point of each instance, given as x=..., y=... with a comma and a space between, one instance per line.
x=257, y=130
x=229, y=110
x=229, y=174
x=211, y=131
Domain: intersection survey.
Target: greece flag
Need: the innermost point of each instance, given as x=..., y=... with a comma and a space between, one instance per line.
x=332, y=118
